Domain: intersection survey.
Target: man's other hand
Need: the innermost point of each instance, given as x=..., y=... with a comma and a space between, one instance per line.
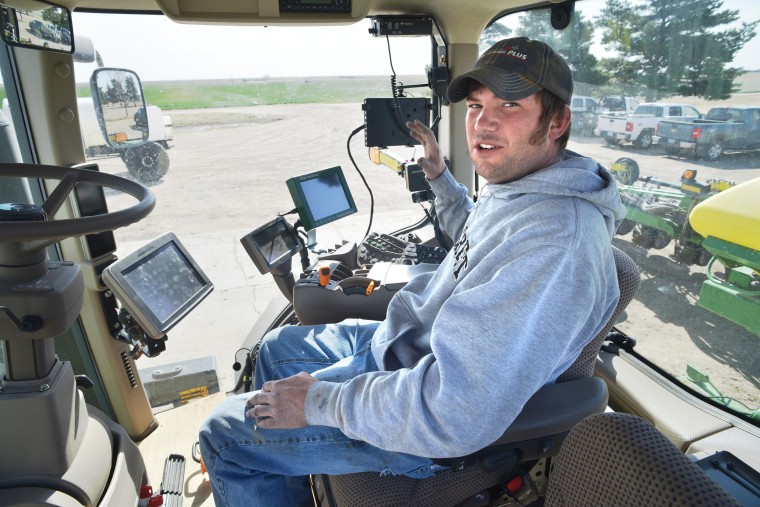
x=432, y=163
x=280, y=403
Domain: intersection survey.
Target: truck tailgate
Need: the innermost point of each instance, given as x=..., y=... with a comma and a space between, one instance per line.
x=676, y=130
x=614, y=124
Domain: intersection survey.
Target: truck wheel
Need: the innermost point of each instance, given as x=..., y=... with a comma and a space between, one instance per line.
x=644, y=236
x=661, y=240
x=644, y=141
x=703, y=258
x=714, y=151
x=610, y=141
x=148, y=162
x=625, y=227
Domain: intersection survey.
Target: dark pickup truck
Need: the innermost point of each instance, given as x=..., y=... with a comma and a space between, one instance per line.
x=722, y=129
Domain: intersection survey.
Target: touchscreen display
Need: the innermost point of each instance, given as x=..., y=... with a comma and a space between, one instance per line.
x=325, y=196
x=164, y=280
x=321, y=197
x=275, y=242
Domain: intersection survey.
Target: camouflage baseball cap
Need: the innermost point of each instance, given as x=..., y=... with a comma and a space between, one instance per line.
x=516, y=68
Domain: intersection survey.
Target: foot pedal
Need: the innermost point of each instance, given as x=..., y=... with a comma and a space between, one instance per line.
x=173, y=481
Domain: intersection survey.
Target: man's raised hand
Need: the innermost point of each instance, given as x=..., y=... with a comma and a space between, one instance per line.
x=432, y=163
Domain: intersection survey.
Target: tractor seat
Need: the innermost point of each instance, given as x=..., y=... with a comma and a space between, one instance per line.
x=534, y=435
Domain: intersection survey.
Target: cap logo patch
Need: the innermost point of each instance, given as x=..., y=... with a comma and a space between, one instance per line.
x=510, y=51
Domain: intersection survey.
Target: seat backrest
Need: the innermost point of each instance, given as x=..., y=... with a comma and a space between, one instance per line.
x=622, y=460
x=542, y=415
x=629, y=280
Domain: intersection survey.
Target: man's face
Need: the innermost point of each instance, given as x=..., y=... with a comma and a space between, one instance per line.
x=499, y=136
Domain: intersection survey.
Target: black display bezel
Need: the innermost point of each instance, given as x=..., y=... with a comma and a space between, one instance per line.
x=259, y=257
x=115, y=278
x=301, y=201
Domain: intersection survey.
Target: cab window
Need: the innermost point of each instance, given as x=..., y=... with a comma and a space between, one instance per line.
x=687, y=318
x=235, y=120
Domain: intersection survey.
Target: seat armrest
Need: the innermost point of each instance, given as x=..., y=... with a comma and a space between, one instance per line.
x=556, y=408
x=350, y=297
x=542, y=425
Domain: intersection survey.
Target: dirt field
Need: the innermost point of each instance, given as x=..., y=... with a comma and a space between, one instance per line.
x=228, y=168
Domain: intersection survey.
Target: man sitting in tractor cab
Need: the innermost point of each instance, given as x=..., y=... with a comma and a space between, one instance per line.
x=530, y=281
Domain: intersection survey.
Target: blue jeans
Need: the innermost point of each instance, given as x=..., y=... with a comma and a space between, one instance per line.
x=254, y=466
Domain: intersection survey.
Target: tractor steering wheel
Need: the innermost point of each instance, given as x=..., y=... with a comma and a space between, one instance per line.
x=48, y=232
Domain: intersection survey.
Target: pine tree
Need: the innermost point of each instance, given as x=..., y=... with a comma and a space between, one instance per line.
x=669, y=47
x=619, y=22
x=573, y=43
x=493, y=34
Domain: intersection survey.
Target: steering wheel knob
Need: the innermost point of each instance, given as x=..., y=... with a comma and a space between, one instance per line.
x=15, y=212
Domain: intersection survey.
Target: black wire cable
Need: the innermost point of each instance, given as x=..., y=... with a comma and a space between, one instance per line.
x=443, y=239
x=371, y=197
x=243, y=376
x=304, y=250
x=291, y=212
x=394, y=88
x=400, y=123
x=236, y=366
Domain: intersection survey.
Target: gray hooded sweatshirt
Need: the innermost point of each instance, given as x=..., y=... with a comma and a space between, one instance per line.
x=530, y=281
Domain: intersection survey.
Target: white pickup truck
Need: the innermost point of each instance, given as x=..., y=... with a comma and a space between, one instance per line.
x=148, y=162
x=584, y=117
x=639, y=127
x=160, y=129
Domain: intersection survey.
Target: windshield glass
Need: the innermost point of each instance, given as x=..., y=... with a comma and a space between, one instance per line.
x=613, y=103
x=234, y=121
x=696, y=313
x=655, y=110
x=724, y=114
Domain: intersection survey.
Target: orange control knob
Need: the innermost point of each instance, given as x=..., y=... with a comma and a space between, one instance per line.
x=324, y=276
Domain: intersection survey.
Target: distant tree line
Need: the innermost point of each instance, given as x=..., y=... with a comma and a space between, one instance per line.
x=56, y=16
x=657, y=48
x=120, y=93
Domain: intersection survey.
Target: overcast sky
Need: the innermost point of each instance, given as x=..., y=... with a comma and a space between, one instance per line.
x=220, y=52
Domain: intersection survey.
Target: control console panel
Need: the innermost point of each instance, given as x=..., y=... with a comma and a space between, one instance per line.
x=385, y=248
x=332, y=292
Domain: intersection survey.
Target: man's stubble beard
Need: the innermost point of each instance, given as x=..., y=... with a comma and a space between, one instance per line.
x=514, y=165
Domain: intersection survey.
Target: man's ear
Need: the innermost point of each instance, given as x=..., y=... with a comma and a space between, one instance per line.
x=560, y=123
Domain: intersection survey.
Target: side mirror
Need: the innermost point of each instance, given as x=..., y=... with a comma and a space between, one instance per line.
x=36, y=24
x=120, y=107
